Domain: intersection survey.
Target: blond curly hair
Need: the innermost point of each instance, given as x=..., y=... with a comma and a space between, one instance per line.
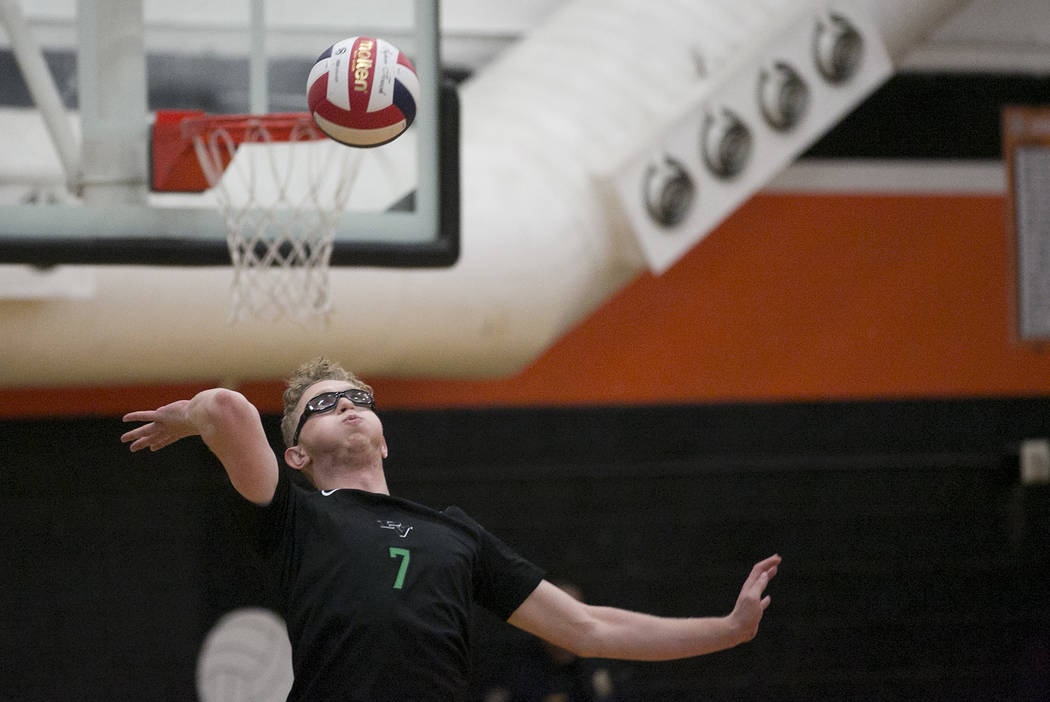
x=303, y=377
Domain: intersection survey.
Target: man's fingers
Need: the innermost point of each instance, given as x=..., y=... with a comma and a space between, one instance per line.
x=767, y=576
x=758, y=587
x=758, y=580
x=153, y=443
x=767, y=568
x=139, y=443
x=768, y=563
x=136, y=433
x=146, y=436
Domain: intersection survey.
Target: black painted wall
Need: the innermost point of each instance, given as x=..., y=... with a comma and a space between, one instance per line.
x=915, y=564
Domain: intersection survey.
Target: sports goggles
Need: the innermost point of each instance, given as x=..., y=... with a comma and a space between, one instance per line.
x=326, y=402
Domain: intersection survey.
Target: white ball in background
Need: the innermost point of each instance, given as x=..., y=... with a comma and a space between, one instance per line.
x=246, y=657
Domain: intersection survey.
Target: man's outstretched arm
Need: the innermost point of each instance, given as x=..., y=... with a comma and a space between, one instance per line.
x=228, y=424
x=606, y=632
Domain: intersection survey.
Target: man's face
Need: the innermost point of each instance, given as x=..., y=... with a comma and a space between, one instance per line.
x=343, y=424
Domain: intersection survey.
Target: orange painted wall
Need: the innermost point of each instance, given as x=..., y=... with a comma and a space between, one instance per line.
x=818, y=297
x=792, y=298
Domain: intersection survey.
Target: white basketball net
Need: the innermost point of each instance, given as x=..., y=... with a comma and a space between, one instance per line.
x=282, y=201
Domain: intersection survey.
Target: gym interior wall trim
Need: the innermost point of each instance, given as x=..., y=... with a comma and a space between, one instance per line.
x=795, y=297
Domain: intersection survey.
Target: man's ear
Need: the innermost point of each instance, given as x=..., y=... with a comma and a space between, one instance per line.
x=296, y=457
x=385, y=450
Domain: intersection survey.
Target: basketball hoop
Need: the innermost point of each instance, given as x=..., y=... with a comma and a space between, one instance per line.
x=281, y=186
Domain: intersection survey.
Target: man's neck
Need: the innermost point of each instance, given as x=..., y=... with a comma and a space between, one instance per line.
x=368, y=479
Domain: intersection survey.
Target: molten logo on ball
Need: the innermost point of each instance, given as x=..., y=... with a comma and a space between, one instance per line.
x=363, y=91
x=362, y=63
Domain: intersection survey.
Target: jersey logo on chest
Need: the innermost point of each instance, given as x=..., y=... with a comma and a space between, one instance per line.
x=399, y=527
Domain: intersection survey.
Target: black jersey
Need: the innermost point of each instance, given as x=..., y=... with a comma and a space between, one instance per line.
x=377, y=592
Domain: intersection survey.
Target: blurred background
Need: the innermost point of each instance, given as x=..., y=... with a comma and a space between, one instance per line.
x=841, y=360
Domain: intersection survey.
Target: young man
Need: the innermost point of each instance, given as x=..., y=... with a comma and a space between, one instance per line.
x=376, y=590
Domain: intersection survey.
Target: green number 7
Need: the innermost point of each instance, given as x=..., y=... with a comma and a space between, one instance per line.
x=405, y=556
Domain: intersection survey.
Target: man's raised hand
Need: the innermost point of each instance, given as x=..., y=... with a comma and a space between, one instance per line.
x=752, y=601
x=164, y=426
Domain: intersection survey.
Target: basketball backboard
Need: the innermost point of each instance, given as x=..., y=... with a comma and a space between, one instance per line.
x=97, y=71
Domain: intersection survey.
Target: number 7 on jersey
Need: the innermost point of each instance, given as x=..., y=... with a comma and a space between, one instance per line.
x=405, y=556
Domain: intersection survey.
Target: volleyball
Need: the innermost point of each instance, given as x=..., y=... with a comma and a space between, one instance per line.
x=362, y=91
x=246, y=657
